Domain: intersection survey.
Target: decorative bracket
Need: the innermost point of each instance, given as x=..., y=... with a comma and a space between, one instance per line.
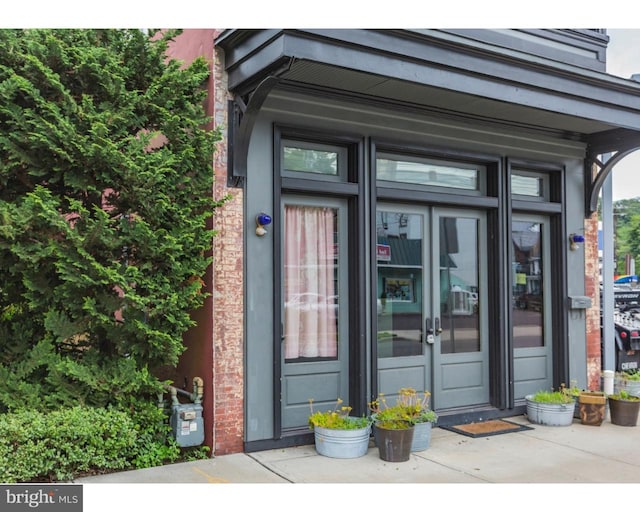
x=619, y=143
x=242, y=118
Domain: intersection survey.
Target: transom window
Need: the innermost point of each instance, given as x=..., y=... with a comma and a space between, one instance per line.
x=529, y=185
x=425, y=171
x=322, y=161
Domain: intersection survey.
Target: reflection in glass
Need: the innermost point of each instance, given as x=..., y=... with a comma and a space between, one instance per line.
x=527, y=185
x=310, y=160
x=527, y=284
x=427, y=172
x=400, y=271
x=459, y=308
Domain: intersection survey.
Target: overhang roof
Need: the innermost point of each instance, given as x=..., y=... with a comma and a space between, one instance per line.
x=435, y=69
x=446, y=73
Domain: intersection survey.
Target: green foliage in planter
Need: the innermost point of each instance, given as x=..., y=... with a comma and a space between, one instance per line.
x=63, y=444
x=624, y=395
x=411, y=406
x=338, y=418
x=553, y=397
x=393, y=424
x=105, y=213
x=630, y=375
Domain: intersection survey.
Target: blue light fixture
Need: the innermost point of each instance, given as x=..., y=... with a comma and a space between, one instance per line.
x=575, y=240
x=262, y=220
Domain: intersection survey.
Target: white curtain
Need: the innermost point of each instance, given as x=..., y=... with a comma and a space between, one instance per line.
x=309, y=291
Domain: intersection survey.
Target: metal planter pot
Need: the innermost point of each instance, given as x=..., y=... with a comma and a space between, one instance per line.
x=630, y=386
x=394, y=445
x=624, y=412
x=553, y=415
x=342, y=444
x=421, y=436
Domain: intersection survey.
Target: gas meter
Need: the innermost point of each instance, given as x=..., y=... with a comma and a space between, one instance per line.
x=186, y=422
x=186, y=419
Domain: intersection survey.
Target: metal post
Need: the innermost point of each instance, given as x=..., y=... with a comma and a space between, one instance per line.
x=608, y=267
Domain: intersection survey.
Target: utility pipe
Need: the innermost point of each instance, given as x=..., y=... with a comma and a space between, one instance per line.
x=195, y=397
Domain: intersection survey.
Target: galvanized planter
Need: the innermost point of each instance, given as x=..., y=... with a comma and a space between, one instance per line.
x=630, y=386
x=342, y=444
x=421, y=436
x=553, y=415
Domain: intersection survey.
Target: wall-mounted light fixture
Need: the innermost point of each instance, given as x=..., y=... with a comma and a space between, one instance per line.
x=262, y=220
x=575, y=240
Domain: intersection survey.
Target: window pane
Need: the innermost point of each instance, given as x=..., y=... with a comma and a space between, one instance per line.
x=459, y=285
x=527, y=185
x=400, y=283
x=298, y=159
x=527, y=274
x=427, y=172
x=310, y=275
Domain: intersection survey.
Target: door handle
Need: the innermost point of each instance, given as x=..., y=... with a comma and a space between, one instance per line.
x=438, y=328
x=427, y=326
x=429, y=337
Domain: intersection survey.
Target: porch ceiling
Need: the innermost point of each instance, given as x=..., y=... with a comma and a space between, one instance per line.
x=324, y=77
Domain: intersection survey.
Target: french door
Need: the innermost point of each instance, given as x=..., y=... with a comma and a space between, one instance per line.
x=315, y=340
x=431, y=303
x=531, y=304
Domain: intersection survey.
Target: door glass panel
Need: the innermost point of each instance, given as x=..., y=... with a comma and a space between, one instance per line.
x=459, y=308
x=527, y=267
x=400, y=282
x=310, y=283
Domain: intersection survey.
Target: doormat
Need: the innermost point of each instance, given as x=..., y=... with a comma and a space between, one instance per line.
x=487, y=428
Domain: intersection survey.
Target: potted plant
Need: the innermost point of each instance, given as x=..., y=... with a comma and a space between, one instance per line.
x=623, y=409
x=553, y=408
x=629, y=381
x=394, y=435
x=416, y=405
x=338, y=435
x=592, y=406
x=410, y=412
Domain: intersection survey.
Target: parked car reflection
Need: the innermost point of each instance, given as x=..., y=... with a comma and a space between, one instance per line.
x=310, y=301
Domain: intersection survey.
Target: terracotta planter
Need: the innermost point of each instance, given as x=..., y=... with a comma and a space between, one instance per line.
x=624, y=412
x=394, y=445
x=592, y=405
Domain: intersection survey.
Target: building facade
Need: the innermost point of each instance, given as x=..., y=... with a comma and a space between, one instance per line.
x=410, y=208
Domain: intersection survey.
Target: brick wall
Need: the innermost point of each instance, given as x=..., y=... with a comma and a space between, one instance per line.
x=592, y=289
x=228, y=283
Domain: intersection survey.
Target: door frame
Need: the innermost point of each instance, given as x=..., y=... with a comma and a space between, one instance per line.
x=492, y=201
x=352, y=189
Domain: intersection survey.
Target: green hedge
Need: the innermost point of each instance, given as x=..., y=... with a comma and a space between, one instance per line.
x=64, y=444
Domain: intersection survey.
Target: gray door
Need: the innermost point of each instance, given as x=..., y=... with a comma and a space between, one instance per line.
x=431, y=323
x=315, y=344
x=530, y=306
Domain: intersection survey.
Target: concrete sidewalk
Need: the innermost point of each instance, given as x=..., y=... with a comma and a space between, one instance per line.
x=575, y=454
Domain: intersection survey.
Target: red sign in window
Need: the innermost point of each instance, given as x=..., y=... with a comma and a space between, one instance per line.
x=383, y=252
